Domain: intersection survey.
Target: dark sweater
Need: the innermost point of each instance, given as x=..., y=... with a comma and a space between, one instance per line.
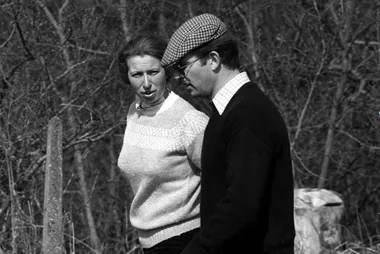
x=247, y=182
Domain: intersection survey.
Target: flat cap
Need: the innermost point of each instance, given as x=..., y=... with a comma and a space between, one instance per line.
x=192, y=34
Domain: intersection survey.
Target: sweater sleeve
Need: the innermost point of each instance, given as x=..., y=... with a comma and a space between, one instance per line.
x=248, y=159
x=194, y=124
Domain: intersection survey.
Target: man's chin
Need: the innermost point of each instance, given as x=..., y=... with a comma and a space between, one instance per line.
x=193, y=93
x=190, y=90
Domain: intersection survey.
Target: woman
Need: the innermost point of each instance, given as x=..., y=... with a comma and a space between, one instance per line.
x=161, y=151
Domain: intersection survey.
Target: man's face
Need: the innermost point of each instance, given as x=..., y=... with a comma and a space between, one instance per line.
x=197, y=75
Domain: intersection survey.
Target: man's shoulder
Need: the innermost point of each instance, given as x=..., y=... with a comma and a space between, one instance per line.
x=249, y=90
x=252, y=108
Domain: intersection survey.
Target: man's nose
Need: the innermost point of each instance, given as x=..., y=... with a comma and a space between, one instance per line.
x=184, y=81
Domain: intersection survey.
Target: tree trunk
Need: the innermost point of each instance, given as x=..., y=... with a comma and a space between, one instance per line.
x=90, y=220
x=124, y=20
x=345, y=65
x=330, y=133
x=162, y=21
x=251, y=23
x=14, y=208
x=95, y=241
x=115, y=221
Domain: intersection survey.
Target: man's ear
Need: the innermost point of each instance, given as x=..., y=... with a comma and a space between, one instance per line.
x=215, y=60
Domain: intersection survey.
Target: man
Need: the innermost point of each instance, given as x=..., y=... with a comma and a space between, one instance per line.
x=247, y=182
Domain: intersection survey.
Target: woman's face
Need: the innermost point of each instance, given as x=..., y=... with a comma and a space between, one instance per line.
x=147, y=77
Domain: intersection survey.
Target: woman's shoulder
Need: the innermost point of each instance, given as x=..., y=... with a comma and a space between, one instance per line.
x=185, y=108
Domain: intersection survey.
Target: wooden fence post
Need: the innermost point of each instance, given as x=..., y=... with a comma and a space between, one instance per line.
x=53, y=231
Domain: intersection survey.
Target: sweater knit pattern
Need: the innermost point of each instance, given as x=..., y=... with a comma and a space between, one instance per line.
x=161, y=159
x=180, y=136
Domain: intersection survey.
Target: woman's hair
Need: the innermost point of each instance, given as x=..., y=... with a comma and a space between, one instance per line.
x=227, y=48
x=140, y=45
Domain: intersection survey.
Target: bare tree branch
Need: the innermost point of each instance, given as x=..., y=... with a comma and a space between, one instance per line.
x=61, y=10
x=296, y=155
x=28, y=54
x=313, y=83
x=359, y=141
x=92, y=51
x=8, y=39
x=251, y=28
x=91, y=138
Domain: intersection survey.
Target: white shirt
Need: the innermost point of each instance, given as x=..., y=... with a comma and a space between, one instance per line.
x=223, y=97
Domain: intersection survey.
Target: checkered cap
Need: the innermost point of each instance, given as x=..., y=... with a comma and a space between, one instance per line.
x=191, y=35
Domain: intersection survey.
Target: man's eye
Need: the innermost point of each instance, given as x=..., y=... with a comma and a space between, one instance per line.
x=136, y=75
x=153, y=72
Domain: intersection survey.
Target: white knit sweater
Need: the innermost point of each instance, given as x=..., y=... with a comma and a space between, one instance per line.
x=161, y=159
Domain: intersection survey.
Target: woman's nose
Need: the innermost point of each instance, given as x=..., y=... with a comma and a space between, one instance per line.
x=146, y=81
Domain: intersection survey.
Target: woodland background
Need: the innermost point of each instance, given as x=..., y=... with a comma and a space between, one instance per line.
x=318, y=60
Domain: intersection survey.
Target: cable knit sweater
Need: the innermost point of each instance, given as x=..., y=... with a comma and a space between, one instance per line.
x=161, y=159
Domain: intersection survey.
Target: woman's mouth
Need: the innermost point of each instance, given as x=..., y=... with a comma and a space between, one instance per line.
x=148, y=93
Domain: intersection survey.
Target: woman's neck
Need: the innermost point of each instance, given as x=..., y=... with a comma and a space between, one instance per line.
x=147, y=105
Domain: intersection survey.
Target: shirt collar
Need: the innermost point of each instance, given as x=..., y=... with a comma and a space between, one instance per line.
x=223, y=97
